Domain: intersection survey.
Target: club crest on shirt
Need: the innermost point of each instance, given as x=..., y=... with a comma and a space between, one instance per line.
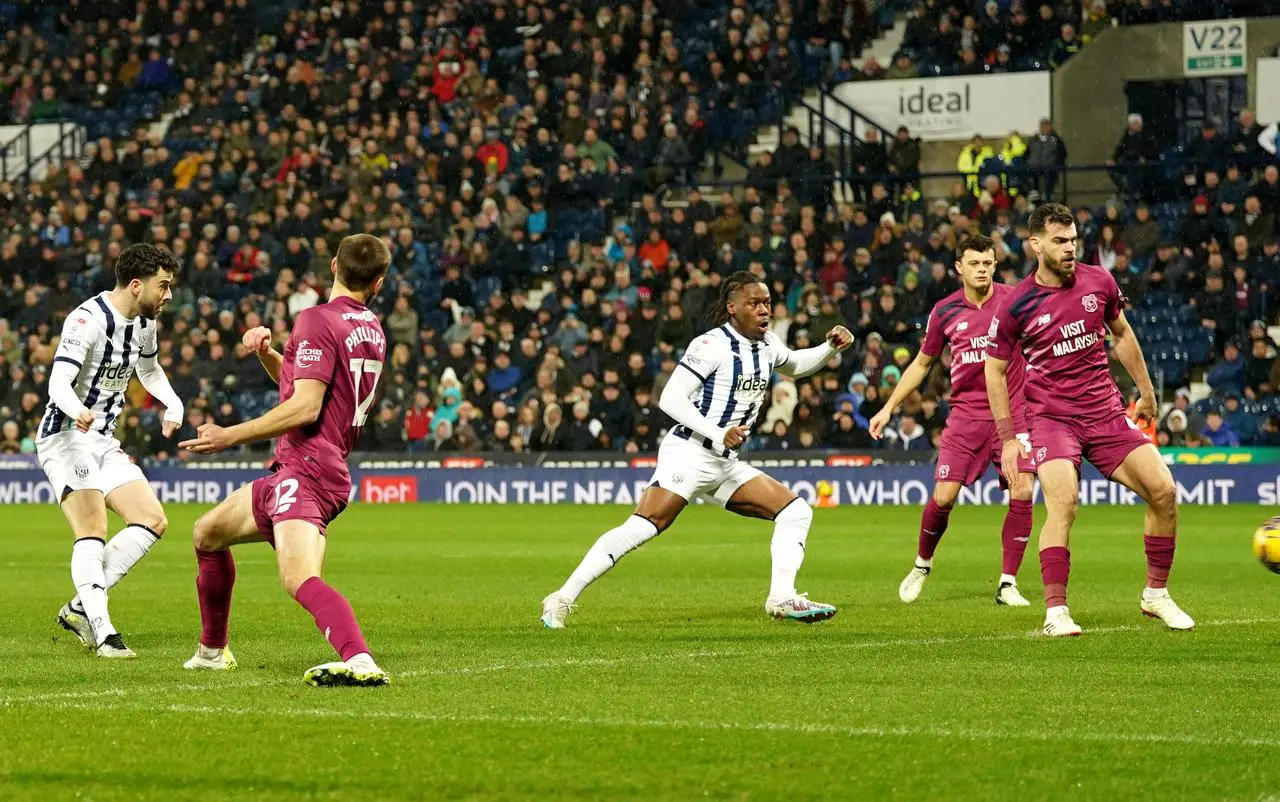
x=1090, y=302
x=995, y=326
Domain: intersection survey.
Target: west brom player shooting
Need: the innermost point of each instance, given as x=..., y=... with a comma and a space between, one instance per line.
x=105, y=342
x=1058, y=318
x=969, y=442
x=715, y=396
x=327, y=375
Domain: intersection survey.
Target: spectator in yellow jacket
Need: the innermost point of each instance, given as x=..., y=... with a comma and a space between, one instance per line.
x=185, y=171
x=971, y=159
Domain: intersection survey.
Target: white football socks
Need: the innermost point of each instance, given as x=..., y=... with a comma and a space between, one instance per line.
x=790, y=531
x=123, y=552
x=605, y=553
x=91, y=585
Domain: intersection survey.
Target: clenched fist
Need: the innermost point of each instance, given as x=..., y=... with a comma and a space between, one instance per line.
x=257, y=340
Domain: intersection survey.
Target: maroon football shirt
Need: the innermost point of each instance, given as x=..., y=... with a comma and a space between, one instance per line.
x=340, y=343
x=957, y=322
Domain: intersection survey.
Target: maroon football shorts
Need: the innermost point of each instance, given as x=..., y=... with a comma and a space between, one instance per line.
x=1104, y=443
x=292, y=495
x=969, y=446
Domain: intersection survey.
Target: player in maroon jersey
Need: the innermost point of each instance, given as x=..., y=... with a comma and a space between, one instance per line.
x=1058, y=318
x=327, y=377
x=969, y=443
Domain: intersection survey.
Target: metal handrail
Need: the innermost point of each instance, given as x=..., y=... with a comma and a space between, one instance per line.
x=66, y=146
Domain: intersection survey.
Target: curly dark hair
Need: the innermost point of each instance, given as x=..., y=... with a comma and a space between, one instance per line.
x=735, y=282
x=142, y=261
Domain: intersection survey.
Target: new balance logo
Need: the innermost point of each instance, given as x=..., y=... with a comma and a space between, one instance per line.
x=1043, y=320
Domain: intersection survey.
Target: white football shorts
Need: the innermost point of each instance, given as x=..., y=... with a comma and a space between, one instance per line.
x=691, y=471
x=75, y=460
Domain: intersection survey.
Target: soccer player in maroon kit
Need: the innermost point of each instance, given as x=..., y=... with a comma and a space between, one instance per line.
x=327, y=376
x=1058, y=318
x=969, y=442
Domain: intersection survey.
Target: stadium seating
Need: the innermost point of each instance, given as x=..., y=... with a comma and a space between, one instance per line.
x=185, y=185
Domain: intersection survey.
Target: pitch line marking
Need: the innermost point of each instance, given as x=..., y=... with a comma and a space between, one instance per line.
x=845, y=730
x=588, y=662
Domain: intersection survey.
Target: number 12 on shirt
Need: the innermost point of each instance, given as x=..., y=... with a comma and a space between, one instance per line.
x=361, y=367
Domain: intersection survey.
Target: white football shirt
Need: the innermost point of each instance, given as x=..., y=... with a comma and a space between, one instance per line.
x=105, y=347
x=735, y=373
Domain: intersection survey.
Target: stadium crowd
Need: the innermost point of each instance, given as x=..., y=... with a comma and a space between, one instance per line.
x=522, y=160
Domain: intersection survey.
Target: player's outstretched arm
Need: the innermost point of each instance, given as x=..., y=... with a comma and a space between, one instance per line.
x=675, y=402
x=258, y=341
x=302, y=408
x=1129, y=351
x=807, y=361
x=911, y=380
x=157, y=384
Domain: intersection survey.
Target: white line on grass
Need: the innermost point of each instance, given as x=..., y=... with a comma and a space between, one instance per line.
x=845, y=730
x=768, y=649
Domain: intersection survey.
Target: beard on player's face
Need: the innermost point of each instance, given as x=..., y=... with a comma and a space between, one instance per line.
x=1061, y=265
x=150, y=307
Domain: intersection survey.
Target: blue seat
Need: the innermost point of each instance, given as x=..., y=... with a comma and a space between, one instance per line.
x=1207, y=405
x=485, y=287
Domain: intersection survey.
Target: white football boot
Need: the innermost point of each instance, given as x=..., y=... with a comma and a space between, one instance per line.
x=799, y=608
x=1156, y=603
x=1058, y=623
x=207, y=659
x=358, y=672
x=1008, y=595
x=910, y=588
x=113, y=647
x=555, y=609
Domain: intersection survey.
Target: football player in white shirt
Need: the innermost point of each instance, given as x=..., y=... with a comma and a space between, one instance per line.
x=715, y=396
x=105, y=341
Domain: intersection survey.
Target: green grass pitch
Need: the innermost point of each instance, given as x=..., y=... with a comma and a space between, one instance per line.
x=670, y=683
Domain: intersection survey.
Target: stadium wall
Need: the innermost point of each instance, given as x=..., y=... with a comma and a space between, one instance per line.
x=878, y=485
x=1089, y=102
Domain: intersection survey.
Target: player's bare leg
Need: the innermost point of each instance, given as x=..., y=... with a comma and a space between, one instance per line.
x=933, y=524
x=1145, y=473
x=226, y=525
x=1060, y=482
x=86, y=512
x=1014, y=536
x=657, y=510
x=300, y=559
x=136, y=503
x=766, y=498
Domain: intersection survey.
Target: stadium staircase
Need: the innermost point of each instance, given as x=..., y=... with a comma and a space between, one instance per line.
x=882, y=50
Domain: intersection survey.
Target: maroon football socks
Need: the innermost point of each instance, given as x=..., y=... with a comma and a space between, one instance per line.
x=1014, y=536
x=1159, y=559
x=213, y=586
x=1055, y=569
x=334, y=617
x=933, y=524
